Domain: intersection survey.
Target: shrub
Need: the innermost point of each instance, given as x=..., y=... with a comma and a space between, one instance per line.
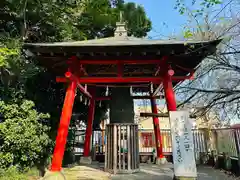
x=12, y=174
x=24, y=139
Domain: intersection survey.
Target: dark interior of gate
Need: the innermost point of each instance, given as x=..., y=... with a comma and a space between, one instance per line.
x=122, y=65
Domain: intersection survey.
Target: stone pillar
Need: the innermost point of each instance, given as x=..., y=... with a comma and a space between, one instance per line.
x=172, y=106
x=122, y=149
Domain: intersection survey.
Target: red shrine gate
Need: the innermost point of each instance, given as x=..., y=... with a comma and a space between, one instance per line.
x=75, y=82
x=145, y=65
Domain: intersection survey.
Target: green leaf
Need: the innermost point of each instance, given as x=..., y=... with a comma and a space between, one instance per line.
x=188, y=34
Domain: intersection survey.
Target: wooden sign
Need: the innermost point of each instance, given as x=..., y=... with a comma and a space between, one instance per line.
x=182, y=144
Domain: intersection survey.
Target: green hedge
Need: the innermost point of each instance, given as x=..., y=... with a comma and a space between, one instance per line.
x=12, y=173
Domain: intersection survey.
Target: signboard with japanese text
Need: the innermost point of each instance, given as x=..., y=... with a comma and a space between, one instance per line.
x=182, y=144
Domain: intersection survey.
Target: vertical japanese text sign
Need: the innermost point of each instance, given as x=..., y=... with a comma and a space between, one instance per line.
x=182, y=144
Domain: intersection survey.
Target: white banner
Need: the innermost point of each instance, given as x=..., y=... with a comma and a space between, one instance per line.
x=182, y=144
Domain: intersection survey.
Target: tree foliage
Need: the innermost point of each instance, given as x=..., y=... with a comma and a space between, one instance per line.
x=21, y=78
x=44, y=20
x=215, y=89
x=23, y=135
x=201, y=6
x=137, y=23
x=50, y=20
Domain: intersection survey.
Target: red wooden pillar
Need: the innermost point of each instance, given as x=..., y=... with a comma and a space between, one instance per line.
x=63, y=127
x=169, y=92
x=88, y=135
x=157, y=132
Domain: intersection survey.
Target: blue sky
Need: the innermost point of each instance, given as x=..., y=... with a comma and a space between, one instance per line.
x=165, y=19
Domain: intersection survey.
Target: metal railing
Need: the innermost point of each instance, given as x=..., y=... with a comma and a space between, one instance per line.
x=227, y=141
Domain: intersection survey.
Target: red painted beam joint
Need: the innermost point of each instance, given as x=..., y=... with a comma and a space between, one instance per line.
x=71, y=77
x=169, y=92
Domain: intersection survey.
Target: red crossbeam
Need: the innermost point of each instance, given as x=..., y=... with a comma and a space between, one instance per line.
x=95, y=80
x=106, y=98
x=120, y=61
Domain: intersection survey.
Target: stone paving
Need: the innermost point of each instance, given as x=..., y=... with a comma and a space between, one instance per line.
x=147, y=172
x=86, y=173
x=156, y=172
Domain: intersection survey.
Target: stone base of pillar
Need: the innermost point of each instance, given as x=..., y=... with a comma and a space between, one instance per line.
x=160, y=161
x=184, y=178
x=57, y=175
x=85, y=160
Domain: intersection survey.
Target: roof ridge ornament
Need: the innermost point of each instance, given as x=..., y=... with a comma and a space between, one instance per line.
x=120, y=27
